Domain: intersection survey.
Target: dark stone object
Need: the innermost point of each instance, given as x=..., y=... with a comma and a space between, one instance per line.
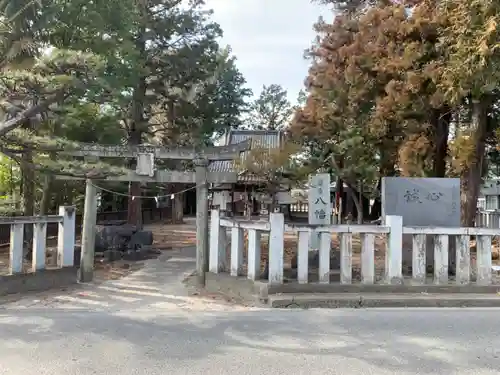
x=140, y=239
x=113, y=237
x=112, y=222
x=121, y=237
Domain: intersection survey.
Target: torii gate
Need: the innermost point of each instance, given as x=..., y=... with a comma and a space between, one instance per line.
x=146, y=172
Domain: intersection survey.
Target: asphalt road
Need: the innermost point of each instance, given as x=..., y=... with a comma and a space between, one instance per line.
x=141, y=326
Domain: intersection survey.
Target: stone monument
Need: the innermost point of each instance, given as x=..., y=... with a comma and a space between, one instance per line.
x=320, y=206
x=423, y=202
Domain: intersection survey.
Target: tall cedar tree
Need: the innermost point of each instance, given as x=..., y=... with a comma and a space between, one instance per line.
x=376, y=105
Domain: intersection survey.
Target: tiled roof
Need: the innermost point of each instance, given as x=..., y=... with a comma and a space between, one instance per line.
x=260, y=139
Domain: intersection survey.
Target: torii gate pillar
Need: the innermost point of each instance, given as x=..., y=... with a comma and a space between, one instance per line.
x=201, y=220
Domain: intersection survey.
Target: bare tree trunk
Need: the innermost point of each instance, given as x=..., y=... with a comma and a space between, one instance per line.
x=339, y=192
x=387, y=169
x=357, y=203
x=178, y=209
x=472, y=174
x=361, y=210
x=134, y=212
x=28, y=185
x=442, y=131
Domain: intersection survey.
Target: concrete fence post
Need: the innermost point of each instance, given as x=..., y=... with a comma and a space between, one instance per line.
x=253, y=256
x=237, y=247
x=218, y=243
x=39, y=242
x=66, y=237
x=394, y=250
x=276, y=247
x=16, y=248
x=483, y=261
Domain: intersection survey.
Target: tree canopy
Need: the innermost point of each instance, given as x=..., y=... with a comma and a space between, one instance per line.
x=271, y=110
x=403, y=88
x=109, y=72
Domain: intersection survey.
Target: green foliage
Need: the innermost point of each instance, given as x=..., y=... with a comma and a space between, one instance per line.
x=9, y=178
x=153, y=71
x=471, y=47
x=109, y=72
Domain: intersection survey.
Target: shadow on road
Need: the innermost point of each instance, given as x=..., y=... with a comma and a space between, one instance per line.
x=397, y=341
x=147, y=317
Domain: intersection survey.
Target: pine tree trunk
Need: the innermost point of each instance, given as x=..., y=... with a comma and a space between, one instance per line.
x=62, y=189
x=28, y=182
x=28, y=185
x=46, y=195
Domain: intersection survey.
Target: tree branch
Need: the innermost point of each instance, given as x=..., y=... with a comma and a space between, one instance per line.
x=14, y=123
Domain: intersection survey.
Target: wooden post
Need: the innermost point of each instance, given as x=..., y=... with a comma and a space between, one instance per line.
x=86, y=272
x=201, y=220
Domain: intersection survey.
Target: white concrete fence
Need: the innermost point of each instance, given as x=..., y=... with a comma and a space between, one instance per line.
x=488, y=219
x=65, y=241
x=394, y=230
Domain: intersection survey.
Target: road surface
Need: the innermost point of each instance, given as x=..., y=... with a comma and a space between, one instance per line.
x=145, y=325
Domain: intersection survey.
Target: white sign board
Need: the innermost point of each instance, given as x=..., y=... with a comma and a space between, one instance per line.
x=320, y=207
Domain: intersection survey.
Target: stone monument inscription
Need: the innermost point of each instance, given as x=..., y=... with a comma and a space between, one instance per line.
x=320, y=206
x=422, y=201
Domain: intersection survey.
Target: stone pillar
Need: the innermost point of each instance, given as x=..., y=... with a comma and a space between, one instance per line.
x=201, y=220
x=86, y=272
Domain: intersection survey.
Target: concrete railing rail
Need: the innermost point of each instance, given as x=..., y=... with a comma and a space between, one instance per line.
x=65, y=239
x=393, y=229
x=488, y=219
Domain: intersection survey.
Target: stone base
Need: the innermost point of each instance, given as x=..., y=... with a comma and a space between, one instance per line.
x=353, y=300
x=236, y=287
x=332, y=295
x=38, y=281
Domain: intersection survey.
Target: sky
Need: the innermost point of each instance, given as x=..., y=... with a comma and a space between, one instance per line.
x=269, y=38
